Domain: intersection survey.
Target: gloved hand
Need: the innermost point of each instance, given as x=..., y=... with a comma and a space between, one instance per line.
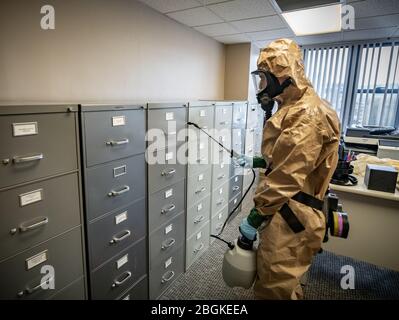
x=245, y=161
x=250, y=225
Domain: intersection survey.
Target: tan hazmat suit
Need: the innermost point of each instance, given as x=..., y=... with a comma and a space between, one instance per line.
x=300, y=145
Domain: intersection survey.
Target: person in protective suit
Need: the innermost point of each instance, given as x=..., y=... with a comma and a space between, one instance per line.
x=300, y=151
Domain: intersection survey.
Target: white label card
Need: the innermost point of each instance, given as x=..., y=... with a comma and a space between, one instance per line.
x=199, y=207
x=169, y=156
x=168, y=193
x=199, y=235
x=169, y=116
x=224, y=110
x=121, y=217
x=24, y=129
x=220, y=190
x=168, y=262
x=201, y=146
x=127, y=297
x=122, y=261
x=236, y=179
x=222, y=165
x=169, y=228
x=220, y=216
x=235, y=201
x=118, y=121
x=120, y=171
x=239, y=133
x=30, y=197
x=36, y=260
x=201, y=177
x=202, y=113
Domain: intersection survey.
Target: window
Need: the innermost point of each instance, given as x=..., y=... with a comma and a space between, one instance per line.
x=376, y=92
x=327, y=69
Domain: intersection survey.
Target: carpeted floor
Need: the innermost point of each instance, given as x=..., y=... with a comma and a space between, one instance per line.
x=203, y=281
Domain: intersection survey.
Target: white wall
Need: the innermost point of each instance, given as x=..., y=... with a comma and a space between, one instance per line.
x=104, y=50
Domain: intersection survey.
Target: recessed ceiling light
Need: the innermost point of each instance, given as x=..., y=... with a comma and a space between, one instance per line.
x=318, y=20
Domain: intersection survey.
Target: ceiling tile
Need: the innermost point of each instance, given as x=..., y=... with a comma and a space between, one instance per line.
x=391, y=20
x=236, y=38
x=264, y=43
x=371, y=8
x=171, y=5
x=207, y=2
x=271, y=34
x=219, y=29
x=195, y=17
x=242, y=9
x=319, y=38
x=396, y=34
x=369, y=34
x=259, y=24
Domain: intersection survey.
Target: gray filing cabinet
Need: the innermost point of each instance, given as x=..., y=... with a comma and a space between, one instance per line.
x=40, y=195
x=199, y=180
x=166, y=193
x=113, y=141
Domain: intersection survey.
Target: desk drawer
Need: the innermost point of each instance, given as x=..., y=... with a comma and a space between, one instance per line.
x=166, y=239
x=198, y=186
x=111, y=135
x=21, y=275
x=115, y=185
x=165, y=272
x=165, y=204
x=198, y=215
x=166, y=173
x=197, y=244
x=34, y=146
x=37, y=212
x=117, y=275
x=115, y=232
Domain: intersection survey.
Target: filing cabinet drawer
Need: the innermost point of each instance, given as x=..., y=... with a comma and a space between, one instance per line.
x=197, y=244
x=21, y=276
x=165, y=204
x=258, y=141
x=235, y=186
x=117, y=275
x=198, y=215
x=35, y=146
x=236, y=169
x=233, y=203
x=239, y=115
x=247, y=179
x=37, y=212
x=220, y=175
x=166, y=239
x=253, y=116
x=170, y=121
x=238, y=140
x=218, y=220
x=74, y=291
x=223, y=117
x=249, y=149
x=198, y=161
x=198, y=186
x=203, y=116
x=111, y=135
x=220, y=197
x=166, y=173
x=115, y=185
x=115, y=232
x=139, y=291
x=165, y=272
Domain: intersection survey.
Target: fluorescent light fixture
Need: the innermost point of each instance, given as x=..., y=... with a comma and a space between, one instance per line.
x=324, y=19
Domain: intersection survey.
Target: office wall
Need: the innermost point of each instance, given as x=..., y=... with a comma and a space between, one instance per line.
x=104, y=50
x=237, y=71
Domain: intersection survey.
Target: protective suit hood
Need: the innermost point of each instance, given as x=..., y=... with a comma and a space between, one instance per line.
x=283, y=58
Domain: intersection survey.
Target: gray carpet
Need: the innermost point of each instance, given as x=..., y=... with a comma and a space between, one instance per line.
x=203, y=281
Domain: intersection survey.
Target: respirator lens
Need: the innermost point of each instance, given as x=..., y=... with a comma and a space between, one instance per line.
x=259, y=80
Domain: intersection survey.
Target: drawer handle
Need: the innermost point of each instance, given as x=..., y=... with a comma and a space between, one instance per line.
x=173, y=133
x=114, y=193
x=23, y=227
x=250, y=150
x=116, y=239
x=199, y=248
x=168, y=173
x=117, y=142
x=167, y=279
x=125, y=276
x=29, y=290
x=200, y=190
x=221, y=176
x=205, y=127
x=224, y=122
x=251, y=130
x=238, y=119
x=168, y=209
x=21, y=159
x=220, y=202
x=221, y=150
x=236, y=188
x=201, y=159
x=199, y=219
x=168, y=243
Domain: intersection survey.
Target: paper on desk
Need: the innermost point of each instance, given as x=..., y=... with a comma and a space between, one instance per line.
x=362, y=159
